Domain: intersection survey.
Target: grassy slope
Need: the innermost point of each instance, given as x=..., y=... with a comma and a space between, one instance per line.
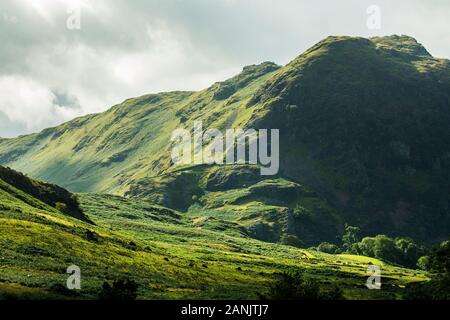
x=105, y=152
x=168, y=254
x=265, y=208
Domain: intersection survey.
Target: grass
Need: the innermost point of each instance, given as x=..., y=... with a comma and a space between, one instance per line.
x=363, y=259
x=168, y=254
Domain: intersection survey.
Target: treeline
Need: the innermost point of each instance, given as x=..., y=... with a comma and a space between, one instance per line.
x=437, y=263
x=401, y=251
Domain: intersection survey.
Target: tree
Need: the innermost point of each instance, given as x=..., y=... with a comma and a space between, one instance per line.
x=350, y=237
x=439, y=260
x=411, y=251
x=438, y=264
x=403, y=251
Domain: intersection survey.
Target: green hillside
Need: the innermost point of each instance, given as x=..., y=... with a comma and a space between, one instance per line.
x=268, y=208
x=169, y=254
x=18, y=190
x=106, y=152
x=363, y=125
x=364, y=144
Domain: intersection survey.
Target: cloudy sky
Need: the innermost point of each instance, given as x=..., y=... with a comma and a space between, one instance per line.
x=51, y=71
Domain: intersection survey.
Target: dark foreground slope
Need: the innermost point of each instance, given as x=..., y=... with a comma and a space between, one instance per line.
x=363, y=124
x=20, y=191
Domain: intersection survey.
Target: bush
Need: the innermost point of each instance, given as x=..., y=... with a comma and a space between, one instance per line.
x=328, y=248
x=91, y=236
x=291, y=240
x=61, y=207
x=122, y=289
x=423, y=263
x=296, y=286
x=435, y=289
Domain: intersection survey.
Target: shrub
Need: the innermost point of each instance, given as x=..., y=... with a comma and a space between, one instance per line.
x=328, y=248
x=91, y=236
x=61, y=207
x=423, y=262
x=291, y=240
x=296, y=286
x=122, y=289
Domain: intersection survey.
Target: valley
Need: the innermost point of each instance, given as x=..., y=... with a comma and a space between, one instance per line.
x=170, y=255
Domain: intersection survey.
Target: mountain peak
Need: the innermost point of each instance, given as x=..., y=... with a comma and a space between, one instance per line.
x=395, y=43
x=225, y=89
x=264, y=67
x=401, y=43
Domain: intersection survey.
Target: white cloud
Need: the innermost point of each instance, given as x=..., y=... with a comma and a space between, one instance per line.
x=30, y=105
x=128, y=48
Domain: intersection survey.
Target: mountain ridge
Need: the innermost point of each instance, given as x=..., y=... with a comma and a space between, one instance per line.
x=363, y=122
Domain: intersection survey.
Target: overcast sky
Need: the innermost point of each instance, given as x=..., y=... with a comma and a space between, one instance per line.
x=124, y=48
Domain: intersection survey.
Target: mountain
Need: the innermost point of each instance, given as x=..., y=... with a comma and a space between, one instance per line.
x=364, y=140
x=369, y=129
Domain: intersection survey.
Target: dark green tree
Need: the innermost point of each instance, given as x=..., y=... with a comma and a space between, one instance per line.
x=350, y=237
x=439, y=260
x=438, y=264
x=403, y=251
